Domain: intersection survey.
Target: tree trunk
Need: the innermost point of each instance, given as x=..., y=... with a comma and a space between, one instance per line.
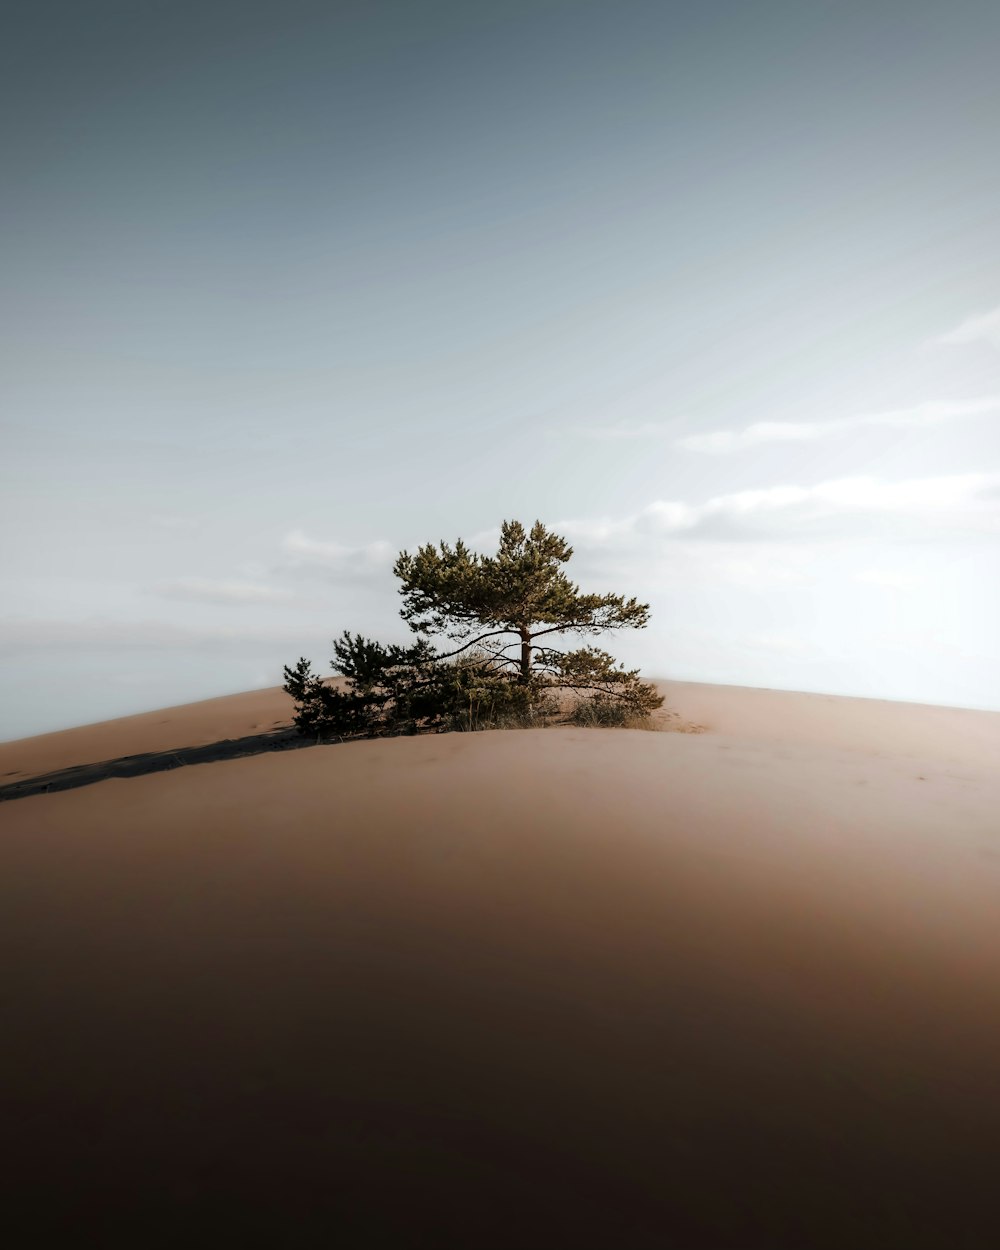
x=525, y=657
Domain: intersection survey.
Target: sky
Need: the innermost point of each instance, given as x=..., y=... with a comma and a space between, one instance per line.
x=712, y=290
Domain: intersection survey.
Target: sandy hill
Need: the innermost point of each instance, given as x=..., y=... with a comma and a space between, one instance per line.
x=729, y=988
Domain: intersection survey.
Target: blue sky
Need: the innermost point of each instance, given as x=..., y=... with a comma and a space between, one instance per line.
x=290, y=287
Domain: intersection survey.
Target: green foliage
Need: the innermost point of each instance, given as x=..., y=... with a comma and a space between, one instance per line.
x=397, y=684
x=592, y=670
x=321, y=711
x=519, y=595
x=480, y=697
x=450, y=590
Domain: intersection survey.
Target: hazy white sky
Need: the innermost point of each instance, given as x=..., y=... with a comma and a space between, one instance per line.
x=290, y=287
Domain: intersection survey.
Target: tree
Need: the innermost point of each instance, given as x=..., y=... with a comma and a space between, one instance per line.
x=490, y=605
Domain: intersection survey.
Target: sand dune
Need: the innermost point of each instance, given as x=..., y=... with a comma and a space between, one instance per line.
x=545, y=988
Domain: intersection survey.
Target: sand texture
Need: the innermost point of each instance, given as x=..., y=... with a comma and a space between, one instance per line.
x=546, y=988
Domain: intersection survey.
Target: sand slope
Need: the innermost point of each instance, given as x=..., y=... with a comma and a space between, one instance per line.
x=545, y=988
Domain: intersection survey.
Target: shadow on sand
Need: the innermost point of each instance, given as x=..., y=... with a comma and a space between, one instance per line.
x=154, y=762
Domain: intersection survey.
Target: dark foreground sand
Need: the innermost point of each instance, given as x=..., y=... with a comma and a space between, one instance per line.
x=551, y=988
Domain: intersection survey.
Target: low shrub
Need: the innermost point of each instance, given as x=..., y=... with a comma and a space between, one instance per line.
x=605, y=712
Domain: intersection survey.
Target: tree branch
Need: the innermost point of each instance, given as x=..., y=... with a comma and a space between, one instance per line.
x=496, y=633
x=562, y=629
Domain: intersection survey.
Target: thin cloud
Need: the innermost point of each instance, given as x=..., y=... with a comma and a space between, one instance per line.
x=300, y=549
x=30, y=634
x=621, y=433
x=984, y=328
x=921, y=507
x=926, y=414
x=202, y=590
x=890, y=579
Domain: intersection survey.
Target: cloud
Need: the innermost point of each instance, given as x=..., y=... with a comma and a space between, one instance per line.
x=617, y=433
x=892, y=579
x=965, y=503
x=202, y=590
x=930, y=413
x=765, y=565
x=19, y=634
x=257, y=584
x=300, y=549
x=984, y=328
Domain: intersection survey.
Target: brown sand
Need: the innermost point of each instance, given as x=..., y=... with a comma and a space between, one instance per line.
x=528, y=989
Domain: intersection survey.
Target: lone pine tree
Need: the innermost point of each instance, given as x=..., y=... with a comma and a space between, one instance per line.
x=491, y=606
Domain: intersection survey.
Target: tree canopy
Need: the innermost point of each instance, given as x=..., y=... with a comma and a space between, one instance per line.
x=489, y=605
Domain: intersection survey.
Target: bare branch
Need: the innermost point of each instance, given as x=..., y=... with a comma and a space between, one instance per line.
x=446, y=655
